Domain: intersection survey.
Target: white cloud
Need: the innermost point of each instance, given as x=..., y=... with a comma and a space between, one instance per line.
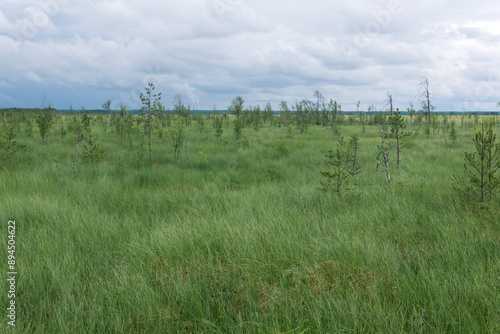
x=212, y=50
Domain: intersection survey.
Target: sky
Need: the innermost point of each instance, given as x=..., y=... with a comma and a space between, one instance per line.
x=80, y=53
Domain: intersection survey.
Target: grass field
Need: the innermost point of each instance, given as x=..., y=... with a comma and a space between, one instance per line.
x=241, y=240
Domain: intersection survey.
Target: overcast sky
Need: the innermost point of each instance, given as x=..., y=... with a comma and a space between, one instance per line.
x=84, y=52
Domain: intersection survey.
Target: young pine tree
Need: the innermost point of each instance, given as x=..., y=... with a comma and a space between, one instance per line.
x=8, y=144
x=238, y=126
x=342, y=165
x=256, y=118
x=453, y=132
x=384, y=152
x=218, y=127
x=236, y=108
x=151, y=105
x=281, y=146
x=397, y=132
x=78, y=130
x=268, y=113
x=44, y=120
x=29, y=127
x=178, y=135
x=481, y=166
x=91, y=150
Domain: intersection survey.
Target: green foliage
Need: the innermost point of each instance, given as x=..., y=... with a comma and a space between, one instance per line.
x=342, y=165
x=44, y=120
x=238, y=126
x=453, y=132
x=106, y=106
x=335, y=110
x=397, y=132
x=91, y=151
x=281, y=146
x=128, y=127
x=412, y=112
x=218, y=127
x=427, y=130
x=243, y=142
x=324, y=116
x=289, y=132
x=29, y=127
x=352, y=155
x=104, y=123
x=256, y=118
x=200, y=122
x=77, y=127
x=168, y=118
x=246, y=116
x=120, y=125
x=236, y=107
x=285, y=115
x=247, y=243
x=434, y=125
x=63, y=131
x=8, y=144
x=151, y=106
x=203, y=157
x=268, y=113
x=384, y=150
x=302, y=116
x=178, y=135
x=481, y=167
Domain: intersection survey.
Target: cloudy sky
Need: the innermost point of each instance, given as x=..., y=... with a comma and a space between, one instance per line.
x=84, y=52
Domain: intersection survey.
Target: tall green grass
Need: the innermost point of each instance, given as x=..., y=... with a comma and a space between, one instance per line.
x=247, y=242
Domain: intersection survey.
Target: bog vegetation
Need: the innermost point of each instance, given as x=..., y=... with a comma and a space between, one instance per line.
x=307, y=220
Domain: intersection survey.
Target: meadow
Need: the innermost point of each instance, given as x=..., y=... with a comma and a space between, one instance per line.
x=232, y=239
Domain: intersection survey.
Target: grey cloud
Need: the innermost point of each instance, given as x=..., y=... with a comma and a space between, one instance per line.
x=212, y=50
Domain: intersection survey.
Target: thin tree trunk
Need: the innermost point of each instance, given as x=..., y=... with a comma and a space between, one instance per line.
x=149, y=135
x=76, y=155
x=121, y=140
x=386, y=157
x=91, y=144
x=397, y=146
